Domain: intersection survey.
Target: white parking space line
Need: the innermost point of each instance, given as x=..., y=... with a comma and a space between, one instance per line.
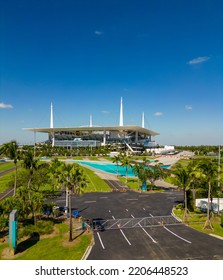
x=99, y=237
x=132, y=216
x=123, y=233
x=125, y=237
x=126, y=210
x=146, y=232
x=153, y=240
x=144, y=209
x=177, y=235
x=151, y=215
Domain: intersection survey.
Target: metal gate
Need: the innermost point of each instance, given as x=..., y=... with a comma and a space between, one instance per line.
x=99, y=224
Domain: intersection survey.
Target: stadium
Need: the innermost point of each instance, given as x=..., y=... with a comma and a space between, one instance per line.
x=132, y=136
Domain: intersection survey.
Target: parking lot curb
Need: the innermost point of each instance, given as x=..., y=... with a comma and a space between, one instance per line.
x=88, y=250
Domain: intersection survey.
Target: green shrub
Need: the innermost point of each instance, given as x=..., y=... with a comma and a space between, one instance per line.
x=41, y=227
x=180, y=206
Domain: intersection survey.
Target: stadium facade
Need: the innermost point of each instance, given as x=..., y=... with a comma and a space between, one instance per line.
x=93, y=136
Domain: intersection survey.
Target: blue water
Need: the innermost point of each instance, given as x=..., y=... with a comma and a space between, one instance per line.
x=110, y=167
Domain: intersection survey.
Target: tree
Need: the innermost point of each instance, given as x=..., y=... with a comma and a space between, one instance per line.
x=30, y=163
x=209, y=171
x=182, y=180
x=116, y=160
x=73, y=178
x=157, y=173
x=125, y=161
x=137, y=170
x=54, y=171
x=10, y=150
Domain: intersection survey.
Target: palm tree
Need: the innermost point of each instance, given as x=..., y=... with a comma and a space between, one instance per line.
x=116, y=160
x=31, y=164
x=137, y=170
x=209, y=170
x=73, y=178
x=54, y=171
x=125, y=161
x=10, y=150
x=157, y=173
x=182, y=180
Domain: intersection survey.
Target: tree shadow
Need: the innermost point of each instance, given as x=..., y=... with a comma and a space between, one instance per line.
x=82, y=232
x=31, y=241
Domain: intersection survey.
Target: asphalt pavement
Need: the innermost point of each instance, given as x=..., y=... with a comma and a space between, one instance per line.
x=161, y=242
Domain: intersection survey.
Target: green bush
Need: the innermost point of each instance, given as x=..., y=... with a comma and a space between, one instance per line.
x=41, y=227
x=180, y=206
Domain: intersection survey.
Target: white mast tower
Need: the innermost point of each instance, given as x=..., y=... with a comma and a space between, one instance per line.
x=143, y=120
x=91, y=123
x=51, y=124
x=121, y=114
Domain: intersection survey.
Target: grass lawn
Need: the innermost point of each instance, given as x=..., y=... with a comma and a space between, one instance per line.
x=197, y=220
x=96, y=184
x=5, y=166
x=5, y=179
x=133, y=184
x=52, y=247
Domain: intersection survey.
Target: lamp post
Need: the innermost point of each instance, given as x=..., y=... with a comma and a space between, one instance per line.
x=219, y=170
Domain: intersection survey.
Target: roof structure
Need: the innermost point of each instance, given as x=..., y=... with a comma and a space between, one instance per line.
x=126, y=128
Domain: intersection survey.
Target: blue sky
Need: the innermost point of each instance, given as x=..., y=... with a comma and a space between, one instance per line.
x=165, y=58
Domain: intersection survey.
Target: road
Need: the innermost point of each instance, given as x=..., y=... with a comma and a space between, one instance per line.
x=143, y=243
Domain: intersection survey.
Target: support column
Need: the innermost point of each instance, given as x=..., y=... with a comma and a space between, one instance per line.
x=104, y=138
x=136, y=137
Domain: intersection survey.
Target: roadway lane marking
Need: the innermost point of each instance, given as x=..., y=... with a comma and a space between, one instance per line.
x=90, y=201
x=103, y=197
x=177, y=235
x=144, y=209
x=151, y=215
x=132, y=216
x=122, y=232
x=146, y=232
x=125, y=237
x=132, y=199
x=127, y=210
x=99, y=237
x=154, y=241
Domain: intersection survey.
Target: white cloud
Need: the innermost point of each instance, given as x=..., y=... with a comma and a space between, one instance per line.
x=198, y=60
x=188, y=107
x=158, y=114
x=105, y=112
x=98, y=33
x=5, y=106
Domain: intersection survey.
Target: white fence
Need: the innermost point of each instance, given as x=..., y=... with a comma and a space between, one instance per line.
x=202, y=204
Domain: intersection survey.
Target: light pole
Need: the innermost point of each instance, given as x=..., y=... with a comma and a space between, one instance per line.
x=219, y=170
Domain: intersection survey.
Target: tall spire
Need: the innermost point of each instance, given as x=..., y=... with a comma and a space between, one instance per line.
x=143, y=120
x=91, y=121
x=121, y=114
x=51, y=115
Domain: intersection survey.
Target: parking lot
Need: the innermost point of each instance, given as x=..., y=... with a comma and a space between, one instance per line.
x=162, y=241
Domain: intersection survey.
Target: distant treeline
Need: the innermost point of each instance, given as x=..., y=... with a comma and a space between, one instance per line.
x=201, y=150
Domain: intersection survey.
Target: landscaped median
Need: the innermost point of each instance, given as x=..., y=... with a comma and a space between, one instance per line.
x=52, y=246
x=197, y=220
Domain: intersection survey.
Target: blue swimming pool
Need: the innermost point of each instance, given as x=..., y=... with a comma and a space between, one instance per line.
x=110, y=167
x=107, y=167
